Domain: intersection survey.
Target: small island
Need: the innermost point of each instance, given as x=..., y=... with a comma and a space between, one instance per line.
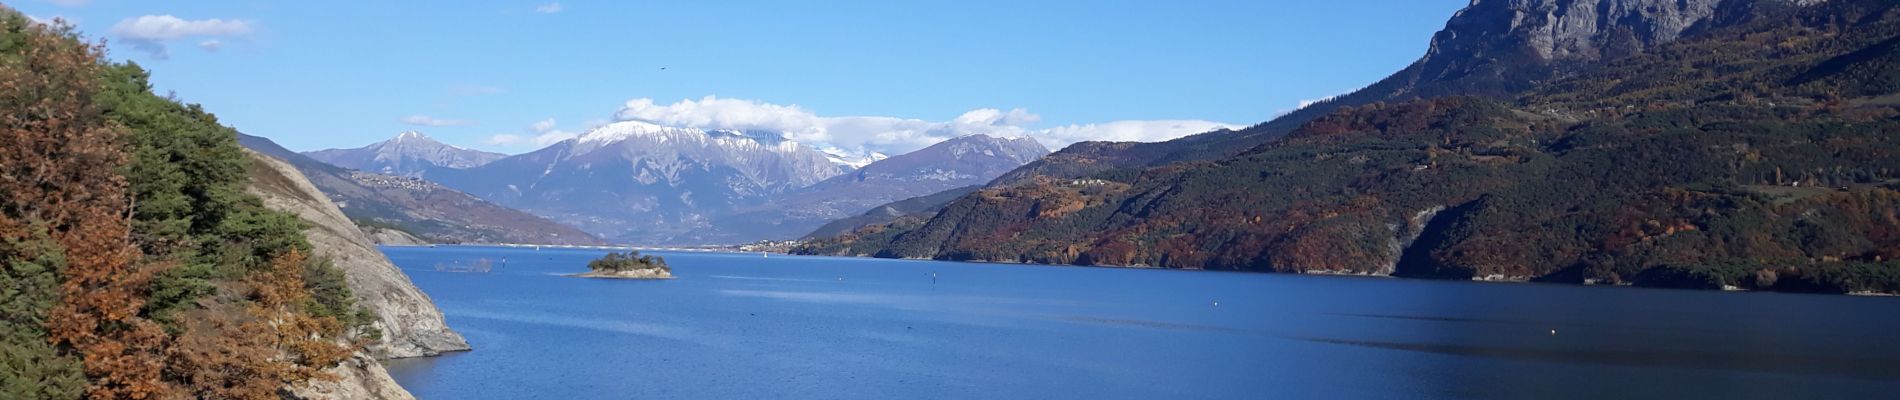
x=629, y=265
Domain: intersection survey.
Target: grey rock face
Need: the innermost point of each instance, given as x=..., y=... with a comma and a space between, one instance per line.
x=410, y=322
x=391, y=237
x=1571, y=29
x=360, y=377
x=1565, y=30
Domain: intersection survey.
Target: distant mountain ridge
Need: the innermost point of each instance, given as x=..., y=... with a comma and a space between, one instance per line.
x=958, y=162
x=643, y=183
x=410, y=154
x=419, y=207
x=1752, y=149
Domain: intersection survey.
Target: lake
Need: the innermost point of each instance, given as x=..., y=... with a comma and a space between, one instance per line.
x=742, y=326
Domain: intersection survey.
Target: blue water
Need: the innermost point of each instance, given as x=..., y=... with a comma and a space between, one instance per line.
x=738, y=326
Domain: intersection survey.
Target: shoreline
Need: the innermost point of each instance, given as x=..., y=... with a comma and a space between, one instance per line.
x=642, y=274
x=1478, y=280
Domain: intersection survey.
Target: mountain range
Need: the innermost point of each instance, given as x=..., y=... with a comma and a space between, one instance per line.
x=638, y=182
x=958, y=162
x=397, y=206
x=642, y=183
x=1679, y=143
x=410, y=154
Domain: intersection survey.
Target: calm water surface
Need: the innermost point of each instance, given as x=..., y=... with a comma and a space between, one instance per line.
x=738, y=326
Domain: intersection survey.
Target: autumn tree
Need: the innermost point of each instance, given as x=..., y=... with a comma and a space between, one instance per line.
x=251, y=350
x=58, y=173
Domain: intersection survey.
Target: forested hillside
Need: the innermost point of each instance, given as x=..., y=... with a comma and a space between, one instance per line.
x=135, y=266
x=1764, y=154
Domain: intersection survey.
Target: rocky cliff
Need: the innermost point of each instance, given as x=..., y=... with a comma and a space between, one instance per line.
x=392, y=237
x=410, y=323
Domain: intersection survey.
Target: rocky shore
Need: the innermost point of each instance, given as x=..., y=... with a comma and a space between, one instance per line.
x=645, y=273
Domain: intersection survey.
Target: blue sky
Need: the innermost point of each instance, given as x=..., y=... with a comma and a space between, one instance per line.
x=498, y=74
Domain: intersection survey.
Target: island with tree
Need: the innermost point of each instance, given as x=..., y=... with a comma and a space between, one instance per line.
x=629, y=265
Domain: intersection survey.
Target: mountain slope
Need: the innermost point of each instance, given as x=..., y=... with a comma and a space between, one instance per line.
x=1730, y=158
x=409, y=154
x=1493, y=48
x=959, y=162
x=411, y=324
x=920, y=207
x=419, y=207
x=644, y=183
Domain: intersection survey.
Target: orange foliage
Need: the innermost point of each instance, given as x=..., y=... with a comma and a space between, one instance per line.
x=268, y=344
x=59, y=156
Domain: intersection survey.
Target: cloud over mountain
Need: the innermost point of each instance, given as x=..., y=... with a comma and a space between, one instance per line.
x=892, y=135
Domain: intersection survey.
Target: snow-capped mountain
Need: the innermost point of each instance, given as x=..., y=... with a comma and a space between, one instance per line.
x=851, y=159
x=415, y=206
x=645, y=183
x=410, y=154
x=964, y=161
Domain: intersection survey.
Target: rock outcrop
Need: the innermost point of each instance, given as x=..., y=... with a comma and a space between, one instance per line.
x=643, y=273
x=392, y=237
x=410, y=323
x=359, y=378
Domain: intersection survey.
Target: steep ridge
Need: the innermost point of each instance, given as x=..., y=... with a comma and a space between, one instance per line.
x=409, y=154
x=958, y=162
x=916, y=207
x=1730, y=159
x=643, y=183
x=411, y=324
x=1492, y=48
x=420, y=208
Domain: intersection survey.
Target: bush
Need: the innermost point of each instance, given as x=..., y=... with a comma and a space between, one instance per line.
x=629, y=261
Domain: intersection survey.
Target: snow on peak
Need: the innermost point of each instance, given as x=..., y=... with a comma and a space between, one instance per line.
x=622, y=130
x=415, y=138
x=857, y=159
x=609, y=134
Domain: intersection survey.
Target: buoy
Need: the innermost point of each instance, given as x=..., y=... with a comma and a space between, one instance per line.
x=1217, y=303
x=1553, y=332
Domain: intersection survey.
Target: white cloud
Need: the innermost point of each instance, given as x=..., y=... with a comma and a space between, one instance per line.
x=891, y=135
x=995, y=117
x=541, y=134
x=424, y=120
x=212, y=45
x=1127, y=131
x=504, y=140
x=549, y=8
x=149, y=33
